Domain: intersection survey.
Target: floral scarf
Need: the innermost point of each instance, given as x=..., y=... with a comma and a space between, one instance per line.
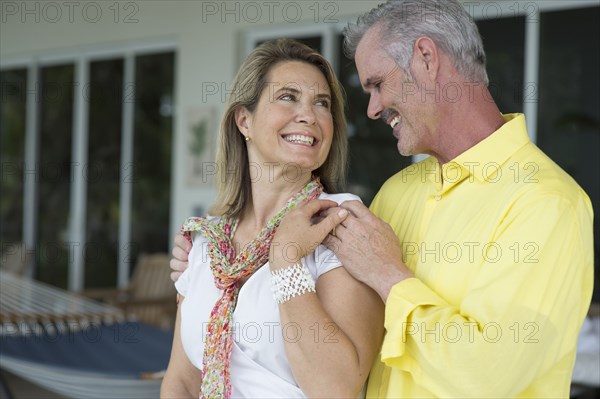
x=227, y=270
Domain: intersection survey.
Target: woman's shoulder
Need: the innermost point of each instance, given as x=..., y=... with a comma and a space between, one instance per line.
x=340, y=197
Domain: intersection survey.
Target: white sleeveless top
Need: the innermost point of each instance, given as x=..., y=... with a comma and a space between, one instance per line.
x=258, y=366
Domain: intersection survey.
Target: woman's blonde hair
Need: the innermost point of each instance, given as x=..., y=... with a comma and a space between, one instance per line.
x=233, y=169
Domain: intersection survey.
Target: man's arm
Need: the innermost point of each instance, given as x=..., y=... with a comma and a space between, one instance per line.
x=180, y=253
x=518, y=319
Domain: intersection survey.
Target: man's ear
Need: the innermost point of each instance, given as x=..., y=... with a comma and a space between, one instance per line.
x=426, y=57
x=243, y=120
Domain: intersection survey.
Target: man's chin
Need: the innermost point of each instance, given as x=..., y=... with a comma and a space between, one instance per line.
x=404, y=150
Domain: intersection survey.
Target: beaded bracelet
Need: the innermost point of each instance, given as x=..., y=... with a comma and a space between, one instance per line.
x=291, y=281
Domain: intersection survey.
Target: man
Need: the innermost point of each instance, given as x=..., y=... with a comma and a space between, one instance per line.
x=483, y=252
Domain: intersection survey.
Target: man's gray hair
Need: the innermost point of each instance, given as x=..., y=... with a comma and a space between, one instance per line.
x=402, y=22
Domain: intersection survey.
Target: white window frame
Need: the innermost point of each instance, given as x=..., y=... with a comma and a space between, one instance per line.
x=81, y=60
x=327, y=32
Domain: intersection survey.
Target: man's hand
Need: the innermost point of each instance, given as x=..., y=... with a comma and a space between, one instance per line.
x=180, y=256
x=369, y=249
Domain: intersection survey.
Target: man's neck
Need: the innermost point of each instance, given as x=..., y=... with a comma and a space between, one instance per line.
x=474, y=117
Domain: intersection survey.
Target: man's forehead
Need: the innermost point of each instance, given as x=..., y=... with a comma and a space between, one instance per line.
x=370, y=41
x=369, y=52
x=370, y=71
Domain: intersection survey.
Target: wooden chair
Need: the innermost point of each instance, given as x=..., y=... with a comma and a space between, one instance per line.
x=150, y=296
x=13, y=260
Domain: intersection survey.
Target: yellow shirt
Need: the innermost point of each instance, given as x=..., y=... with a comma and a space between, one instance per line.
x=502, y=253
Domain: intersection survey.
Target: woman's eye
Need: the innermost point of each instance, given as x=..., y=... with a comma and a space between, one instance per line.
x=288, y=97
x=323, y=103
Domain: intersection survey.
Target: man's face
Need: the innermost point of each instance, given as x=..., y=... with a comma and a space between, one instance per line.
x=394, y=97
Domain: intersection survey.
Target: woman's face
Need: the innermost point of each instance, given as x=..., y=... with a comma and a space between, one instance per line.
x=292, y=126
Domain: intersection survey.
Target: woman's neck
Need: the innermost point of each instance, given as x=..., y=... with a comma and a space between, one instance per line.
x=269, y=195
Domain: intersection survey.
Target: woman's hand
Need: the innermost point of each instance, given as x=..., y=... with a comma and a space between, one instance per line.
x=302, y=230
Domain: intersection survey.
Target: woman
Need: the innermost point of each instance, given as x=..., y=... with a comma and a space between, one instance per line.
x=260, y=315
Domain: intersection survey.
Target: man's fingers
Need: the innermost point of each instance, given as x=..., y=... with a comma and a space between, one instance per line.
x=180, y=254
x=177, y=266
x=357, y=208
x=183, y=243
x=330, y=241
x=331, y=221
x=175, y=276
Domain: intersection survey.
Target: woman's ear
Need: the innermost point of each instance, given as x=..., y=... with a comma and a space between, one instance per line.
x=243, y=120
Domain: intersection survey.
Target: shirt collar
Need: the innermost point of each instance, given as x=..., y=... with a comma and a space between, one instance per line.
x=492, y=152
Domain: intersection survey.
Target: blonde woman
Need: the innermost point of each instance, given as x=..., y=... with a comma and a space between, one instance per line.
x=261, y=315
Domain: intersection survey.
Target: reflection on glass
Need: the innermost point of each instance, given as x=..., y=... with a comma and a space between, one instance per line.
x=12, y=150
x=374, y=155
x=102, y=173
x=54, y=174
x=569, y=109
x=152, y=153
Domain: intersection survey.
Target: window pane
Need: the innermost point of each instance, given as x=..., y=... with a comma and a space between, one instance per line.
x=54, y=173
x=311, y=41
x=102, y=173
x=152, y=153
x=374, y=155
x=569, y=108
x=12, y=150
x=504, y=44
x=314, y=42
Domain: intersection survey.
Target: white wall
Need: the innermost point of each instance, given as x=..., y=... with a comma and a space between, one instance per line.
x=208, y=37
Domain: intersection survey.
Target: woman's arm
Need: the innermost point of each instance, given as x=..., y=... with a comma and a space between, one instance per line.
x=340, y=327
x=182, y=379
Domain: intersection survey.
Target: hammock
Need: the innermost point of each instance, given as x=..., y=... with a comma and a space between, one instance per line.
x=76, y=347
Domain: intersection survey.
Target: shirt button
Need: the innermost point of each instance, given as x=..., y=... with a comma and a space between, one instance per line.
x=438, y=197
